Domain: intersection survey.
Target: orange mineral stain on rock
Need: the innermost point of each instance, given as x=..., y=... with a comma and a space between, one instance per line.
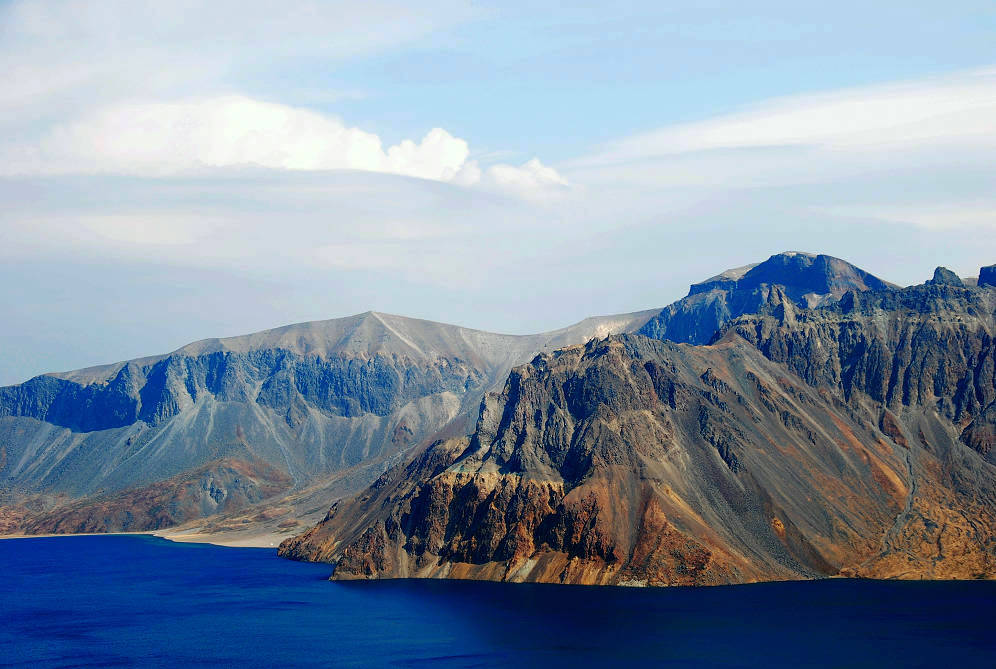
x=779, y=452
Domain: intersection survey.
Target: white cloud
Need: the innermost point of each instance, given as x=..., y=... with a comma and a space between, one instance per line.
x=150, y=229
x=73, y=54
x=917, y=153
x=135, y=88
x=933, y=216
x=279, y=223
x=439, y=156
x=169, y=138
x=957, y=109
x=163, y=138
x=530, y=177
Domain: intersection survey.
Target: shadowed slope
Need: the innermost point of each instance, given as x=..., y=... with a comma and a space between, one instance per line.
x=324, y=401
x=224, y=486
x=808, y=280
x=804, y=442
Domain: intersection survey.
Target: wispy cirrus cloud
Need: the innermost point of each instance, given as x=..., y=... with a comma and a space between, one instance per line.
x=88, y=53
x=916, y=153
x=198, y=167
x=954, y=110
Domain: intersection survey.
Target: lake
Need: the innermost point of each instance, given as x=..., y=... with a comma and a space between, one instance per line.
x=125, y=600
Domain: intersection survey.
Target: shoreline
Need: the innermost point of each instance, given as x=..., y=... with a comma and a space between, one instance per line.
x=74, y=534
x=271, y=541
x=267, y=541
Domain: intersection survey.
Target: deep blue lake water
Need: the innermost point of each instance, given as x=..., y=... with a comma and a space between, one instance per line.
x=124, y=600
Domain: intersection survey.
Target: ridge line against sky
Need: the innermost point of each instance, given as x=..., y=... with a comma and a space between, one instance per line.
x=178, y=171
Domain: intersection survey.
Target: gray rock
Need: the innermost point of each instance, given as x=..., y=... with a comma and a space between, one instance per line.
x=805, y=279
x=311, y=399
x=945, y=277
x=847, y=439
x=987, y=276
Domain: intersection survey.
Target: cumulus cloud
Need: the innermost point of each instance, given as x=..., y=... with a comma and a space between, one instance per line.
x=114, y=88
x=168, y=138
x=162, y=138
x=532, y=179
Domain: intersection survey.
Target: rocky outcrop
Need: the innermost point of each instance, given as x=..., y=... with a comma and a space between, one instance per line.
x=929, y=345
x=330, y=405
x=320, y=402
x=223, y=486
x=276, y=379
x=806, y=280
x=987, y=276
x=945, y=277
x=851, y=439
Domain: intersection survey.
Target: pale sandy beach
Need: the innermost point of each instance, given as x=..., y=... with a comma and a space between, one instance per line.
x=230, y=539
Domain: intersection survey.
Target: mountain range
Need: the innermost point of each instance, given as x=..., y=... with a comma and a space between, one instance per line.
x=303, y=412
x=794, y=418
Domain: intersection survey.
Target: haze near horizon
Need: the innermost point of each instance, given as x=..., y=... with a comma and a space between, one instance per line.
x=498, y=167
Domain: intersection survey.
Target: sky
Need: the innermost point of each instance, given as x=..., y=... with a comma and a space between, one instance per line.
x=176, y=171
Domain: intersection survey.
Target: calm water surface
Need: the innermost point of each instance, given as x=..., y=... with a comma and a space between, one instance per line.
x=125, y=600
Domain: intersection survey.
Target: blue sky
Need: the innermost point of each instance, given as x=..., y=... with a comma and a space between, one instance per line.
x=556, y=80
x=175, y=171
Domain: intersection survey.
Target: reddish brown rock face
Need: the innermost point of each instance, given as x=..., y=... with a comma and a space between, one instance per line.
x=223, y=486
x=803, y=443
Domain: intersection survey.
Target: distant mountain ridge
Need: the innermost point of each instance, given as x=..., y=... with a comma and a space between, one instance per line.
x=807, y=279
x=318, y=401
x=850, y=439
x=321, y=407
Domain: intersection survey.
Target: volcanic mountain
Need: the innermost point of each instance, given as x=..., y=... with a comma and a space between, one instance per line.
x=270, y=428
x=807, y=279
x=315, y=408
x=831, y=432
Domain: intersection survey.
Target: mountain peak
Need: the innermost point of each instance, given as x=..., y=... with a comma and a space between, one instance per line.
x=987, y=276
x=803, y=279
x=945, y=277
x=800, y=272
x=808, y=273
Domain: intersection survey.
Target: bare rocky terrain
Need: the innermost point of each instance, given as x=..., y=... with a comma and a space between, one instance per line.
x=326, y=405
x=837, y=436
x=795, y=418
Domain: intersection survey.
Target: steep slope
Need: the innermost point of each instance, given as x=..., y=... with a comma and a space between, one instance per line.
x=219, y=487
x=318, y=401
x=808, y=280
x=330, y=404
x=923, y=358
x=846, y=439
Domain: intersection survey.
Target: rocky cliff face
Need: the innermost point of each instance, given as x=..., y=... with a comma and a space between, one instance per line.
x=329, y=405
x=808, y=280
x=851, y=439
x=987, y=276
x=316, y=401
x=224, y=486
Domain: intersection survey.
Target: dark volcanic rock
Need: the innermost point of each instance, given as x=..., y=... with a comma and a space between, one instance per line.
x=804, y=279
x=851, y=439
x=223, y=486
x=945, y=277
x=987, y=276
x=324, y=402
x=631, y=460
x=921, y=346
